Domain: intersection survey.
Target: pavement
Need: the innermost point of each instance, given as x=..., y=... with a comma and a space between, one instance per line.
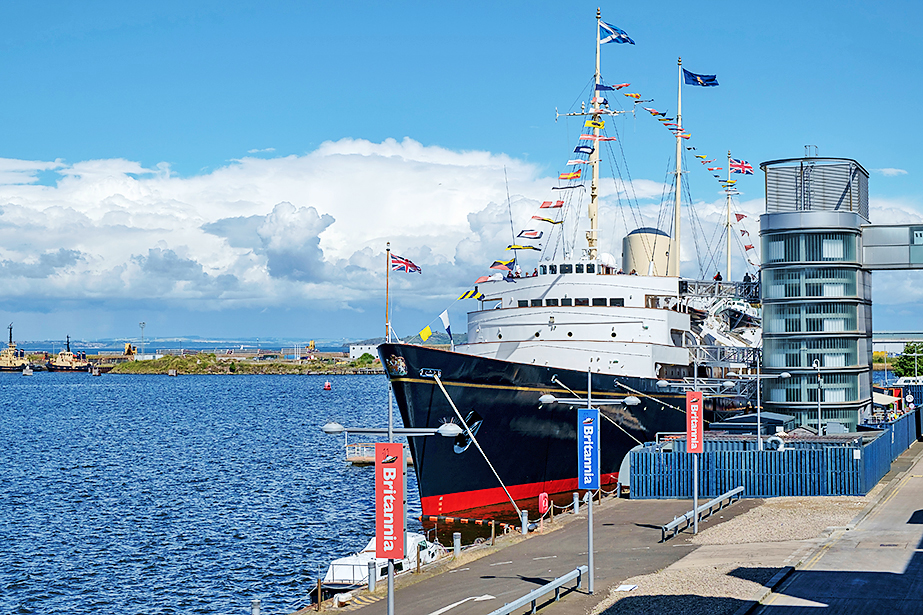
x=872, y=566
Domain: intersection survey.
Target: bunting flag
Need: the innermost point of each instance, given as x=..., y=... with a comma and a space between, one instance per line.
x=403, y=264
x=530, y=234
x=708, y=161
x=596, y=138
x=715, y=168
x=551, y=205
x=444, y=317
x=664, y=119
x=672, y=124
x=549, y=220
x=519, y=247
x=748, y=247
x=578, y=162
x=483, y=278
x=740, y=166
x=583, y=149
x=690, y=148
x=426, y=333
x=568, y=187
x=635, y=96
x=572, y=175
x=740, y=217
x=595, y=124
x=685, y=136
x=744, y=232
x=702, y=80
x=655, y=111
x=472, y=294
x=700, y=156
x=504, y=265
x=611, y=34
x=605, y=88
x=619, y=86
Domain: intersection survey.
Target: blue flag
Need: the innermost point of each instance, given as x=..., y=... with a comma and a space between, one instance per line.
x=613, y=34
x=583, y=149
x=703, y=80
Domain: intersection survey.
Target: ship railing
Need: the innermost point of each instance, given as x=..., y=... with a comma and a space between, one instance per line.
x=724, y=356
x=533, y=596
x=747, y=291
x=705, y=509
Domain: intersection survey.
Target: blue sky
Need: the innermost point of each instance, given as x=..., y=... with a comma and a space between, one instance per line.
x=148, y=150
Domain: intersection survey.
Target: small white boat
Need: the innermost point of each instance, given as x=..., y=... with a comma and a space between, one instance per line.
x=27, y=371
x=352, y=571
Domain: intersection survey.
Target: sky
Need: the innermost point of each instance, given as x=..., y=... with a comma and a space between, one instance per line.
x=235, y=169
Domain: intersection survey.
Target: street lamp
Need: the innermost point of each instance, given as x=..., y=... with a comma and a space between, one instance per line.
x=630, y=400
x=820, y=386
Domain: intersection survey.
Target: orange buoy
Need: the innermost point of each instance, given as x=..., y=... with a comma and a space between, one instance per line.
x=327, y=386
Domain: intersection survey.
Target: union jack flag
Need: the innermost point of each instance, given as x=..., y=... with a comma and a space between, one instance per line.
x=741, y=166
x=399, y=263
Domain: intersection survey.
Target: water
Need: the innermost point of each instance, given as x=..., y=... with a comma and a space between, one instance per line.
x=157, y=495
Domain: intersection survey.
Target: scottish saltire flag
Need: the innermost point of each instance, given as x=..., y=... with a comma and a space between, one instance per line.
x=611, y=34
x=399, y=263
x=741, y=166
x=583, y=149
x=530, y=234
x=703, y=80
x=444, y=317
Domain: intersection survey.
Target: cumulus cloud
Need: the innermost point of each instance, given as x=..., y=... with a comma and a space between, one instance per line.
x=890, y=172
x=311, y=229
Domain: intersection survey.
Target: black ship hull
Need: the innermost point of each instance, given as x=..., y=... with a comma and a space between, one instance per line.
x=532, y=446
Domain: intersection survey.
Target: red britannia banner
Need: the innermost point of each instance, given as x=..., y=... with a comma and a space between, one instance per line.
x=694, y=422
x=389, y=500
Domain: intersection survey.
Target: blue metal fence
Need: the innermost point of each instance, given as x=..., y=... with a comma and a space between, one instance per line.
x=813, y=468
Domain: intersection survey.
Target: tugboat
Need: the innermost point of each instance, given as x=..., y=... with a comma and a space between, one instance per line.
x=68, y=361
x=13, y=359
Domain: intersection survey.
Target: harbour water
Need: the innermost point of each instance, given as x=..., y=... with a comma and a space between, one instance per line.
x=157, y=495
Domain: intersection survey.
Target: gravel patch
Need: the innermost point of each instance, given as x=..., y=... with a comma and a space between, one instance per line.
x=782, y=519
x=706, y=590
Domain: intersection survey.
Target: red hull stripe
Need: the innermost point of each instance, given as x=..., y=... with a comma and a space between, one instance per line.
x=466, y=500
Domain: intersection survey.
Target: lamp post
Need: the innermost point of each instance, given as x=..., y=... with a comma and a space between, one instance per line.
x=820, y=387
x=142, y=324
x=759, y=386
x=629, y=400
x=448, y=430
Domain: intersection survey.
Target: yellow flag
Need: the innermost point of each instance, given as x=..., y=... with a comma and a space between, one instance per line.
x=425, y=333
x=595, y=124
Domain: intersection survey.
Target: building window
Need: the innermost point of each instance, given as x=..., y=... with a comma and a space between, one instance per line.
x=617, y=302
x=552, y=269
x=567, y=302
x=536, y=303
x=523, y=303
x=578, y=268
x=551, y=302
x=542, y=269
x=585, y=302
x=599, y=302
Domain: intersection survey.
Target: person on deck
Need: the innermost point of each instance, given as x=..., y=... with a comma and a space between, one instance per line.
x=717, y=277
x=747, y=278
x=535, y=272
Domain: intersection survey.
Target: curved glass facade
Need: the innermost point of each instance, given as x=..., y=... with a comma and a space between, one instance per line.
x=816, y=297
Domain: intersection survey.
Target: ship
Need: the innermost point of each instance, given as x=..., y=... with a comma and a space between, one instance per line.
x=577, y=330
x=13, y=359
x=67, y=361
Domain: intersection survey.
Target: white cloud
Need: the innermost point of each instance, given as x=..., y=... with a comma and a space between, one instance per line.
x=311, y=229
x=889, y=172
x=265, y=150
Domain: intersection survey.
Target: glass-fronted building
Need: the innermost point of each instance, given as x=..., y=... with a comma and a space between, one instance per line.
x=817, y=310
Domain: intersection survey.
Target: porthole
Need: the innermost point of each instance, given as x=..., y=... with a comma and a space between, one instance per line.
x=499, y=336
x=613, y=334
x=536, y=333
x=570, y=334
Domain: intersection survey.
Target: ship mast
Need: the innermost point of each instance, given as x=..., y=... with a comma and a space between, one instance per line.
x=673, y=266
x=727, y=190
x=593, y=209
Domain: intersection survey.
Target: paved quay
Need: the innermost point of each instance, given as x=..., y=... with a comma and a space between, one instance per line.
x=876, y=566
x=845, y=554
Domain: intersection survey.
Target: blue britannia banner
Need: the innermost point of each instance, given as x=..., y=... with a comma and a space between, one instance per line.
x=588, y=448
